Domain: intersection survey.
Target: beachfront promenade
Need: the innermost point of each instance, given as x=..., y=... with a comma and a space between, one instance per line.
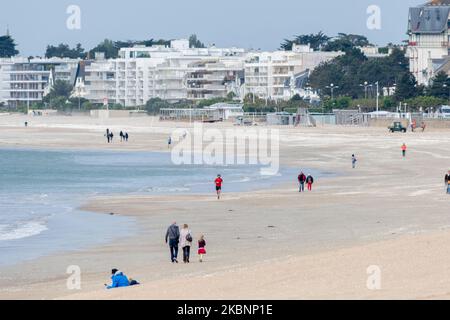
x=389, y=212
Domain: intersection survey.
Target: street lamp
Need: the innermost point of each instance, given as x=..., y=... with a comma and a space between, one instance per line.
x=365, y=85
x=332, y=87
x=445, y=86
x=378, y=97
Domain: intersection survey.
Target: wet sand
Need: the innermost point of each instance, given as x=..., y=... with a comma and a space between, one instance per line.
x=389, y=212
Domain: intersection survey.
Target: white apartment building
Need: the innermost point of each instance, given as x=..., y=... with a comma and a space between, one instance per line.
x=25, y=81
x=279, y=75
x=171, y=73
x=428, y=47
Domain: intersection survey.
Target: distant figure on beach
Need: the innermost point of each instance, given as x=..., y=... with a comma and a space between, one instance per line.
x=121, y=136
x=169, y=142
x=186, y=242
x=301, y=182
x=26, y=124
x=404, y=150
x=108, y=137
x=126, y=136
x=354, y=160
x=184, y=134
x=218, y=183
x=423, y=126
x=111, y=136
x=309, y=182
x=447, y=181
x=173, y=239
x=201, y=247
x=413, y=125
x=118, y=280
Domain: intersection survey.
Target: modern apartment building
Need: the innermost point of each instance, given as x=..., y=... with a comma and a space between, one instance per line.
x=279, y=75
x=171, y=73
x=25, y=81
x=428, y=48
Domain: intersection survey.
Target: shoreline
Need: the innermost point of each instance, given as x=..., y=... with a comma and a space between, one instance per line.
x=387, y=204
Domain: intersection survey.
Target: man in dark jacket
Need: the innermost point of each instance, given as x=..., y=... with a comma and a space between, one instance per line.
x=173, y=238
x=301, y=181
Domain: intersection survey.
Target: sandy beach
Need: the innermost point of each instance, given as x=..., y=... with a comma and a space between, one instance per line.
x=268, y=244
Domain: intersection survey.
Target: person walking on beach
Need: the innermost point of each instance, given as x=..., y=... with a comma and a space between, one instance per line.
x=309, y=182
x=301, y=182
x=121, y=136
x=201, y=248
x=218, y=183
x=173, y=238
x=107, y=135
x=111, y=136
x=169, y=142
x=423, y=126
x=186, y=242
x=404, y=148
x=354, y=160
x=126, y=136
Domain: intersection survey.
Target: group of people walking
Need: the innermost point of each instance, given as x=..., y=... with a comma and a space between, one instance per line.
x=305, y=179
x=110, y=136
x=183, y=239
x=123, y=136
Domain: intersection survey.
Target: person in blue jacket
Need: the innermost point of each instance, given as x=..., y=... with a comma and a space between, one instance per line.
x=118, y=279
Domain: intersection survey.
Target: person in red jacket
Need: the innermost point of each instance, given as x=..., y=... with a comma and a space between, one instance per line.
x=218, y=183
x=404, y=150
x=309, y=182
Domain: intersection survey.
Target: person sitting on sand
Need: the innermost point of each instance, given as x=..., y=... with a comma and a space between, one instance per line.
x=118, y=280
x=201, y=247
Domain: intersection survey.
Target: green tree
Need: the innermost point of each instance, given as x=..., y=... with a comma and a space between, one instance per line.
x=316, y=41
x=155, y=104
x=425, y=102
x=59, y=95
x=7, y=47
x=440, y=86
x=194, y=42
x=345, y=42
x=108, y=47
x=64, y=51
x=406, y=87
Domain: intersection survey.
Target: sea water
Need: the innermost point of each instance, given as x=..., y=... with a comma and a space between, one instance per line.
x=40, y=191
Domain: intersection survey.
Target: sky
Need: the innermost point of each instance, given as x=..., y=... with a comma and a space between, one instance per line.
x=248, y=24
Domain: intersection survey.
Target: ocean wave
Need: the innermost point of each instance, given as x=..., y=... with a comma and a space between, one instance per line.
x=166, y=189
x=29, y=229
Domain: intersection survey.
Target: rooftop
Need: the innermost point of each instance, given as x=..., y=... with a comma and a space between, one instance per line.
x=429, y=19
